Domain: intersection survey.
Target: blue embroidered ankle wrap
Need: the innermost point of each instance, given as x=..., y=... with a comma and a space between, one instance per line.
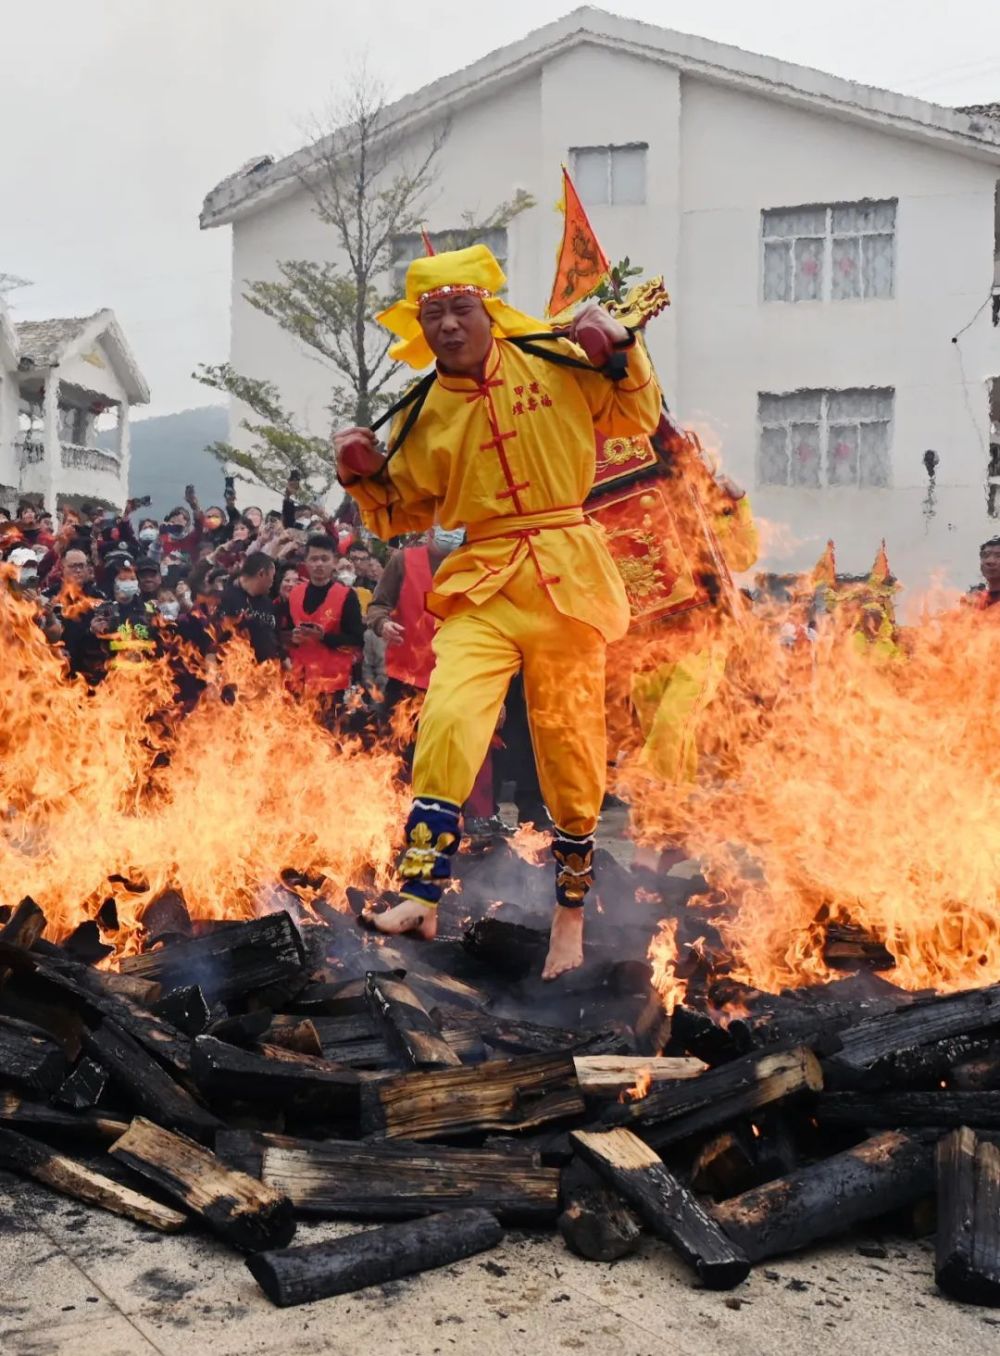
x=433, y=833
x=574, y=867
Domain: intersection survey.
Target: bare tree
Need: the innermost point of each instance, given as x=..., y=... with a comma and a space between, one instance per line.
x=370, y=189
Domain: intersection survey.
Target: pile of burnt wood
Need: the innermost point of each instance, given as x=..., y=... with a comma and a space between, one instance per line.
x=245, y=1075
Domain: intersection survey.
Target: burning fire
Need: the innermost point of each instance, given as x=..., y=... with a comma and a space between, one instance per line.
x=215, y=805
x=844, y=781
x=640, y=1089
x=530, y=844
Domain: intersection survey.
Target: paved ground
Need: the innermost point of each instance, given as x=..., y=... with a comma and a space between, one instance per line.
x=77, y=1282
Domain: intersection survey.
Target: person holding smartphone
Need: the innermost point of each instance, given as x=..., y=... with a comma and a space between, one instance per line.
x=327, y=635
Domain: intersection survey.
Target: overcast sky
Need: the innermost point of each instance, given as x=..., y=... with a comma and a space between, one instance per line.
x=119, y=115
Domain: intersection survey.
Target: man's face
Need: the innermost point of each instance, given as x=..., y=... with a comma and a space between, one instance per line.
x=457, y=328
x=259, y=584
x=319, y=565
x=76, y=568
x=989, y=563
x=149, y=583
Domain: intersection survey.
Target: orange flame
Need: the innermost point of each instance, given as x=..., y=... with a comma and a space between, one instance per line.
x=214, y=805
x=530, y=844
x=640, y=1089
x=849, y=778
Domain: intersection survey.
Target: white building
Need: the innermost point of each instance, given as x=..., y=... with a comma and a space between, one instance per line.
x=829, y=248
x=62, y=382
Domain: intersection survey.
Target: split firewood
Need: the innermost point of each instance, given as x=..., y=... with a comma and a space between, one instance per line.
x=41, y=1119
x=502, y=1094
x=148, y=1084
x=664, y=1205
x=694, y=1106
x=616, y=1076
x=298, y=1034
x=408, y=1025
x=345, y=1180
x=595, y=1222
x=84, y=1086
x=271, y=1073
x=869, y=1050
x=236, y=960
x=510, y=948
x=29, y=1059
x=71, y=1178
x=968, y=1235
x=244, y=1212
x=884, y=1173
x=319, y=1270
x=942, y=1109
x=187, y=1009
x=695, y=1032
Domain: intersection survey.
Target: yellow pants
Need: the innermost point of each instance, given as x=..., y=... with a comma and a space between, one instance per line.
x=669, y=702
x=478, y=652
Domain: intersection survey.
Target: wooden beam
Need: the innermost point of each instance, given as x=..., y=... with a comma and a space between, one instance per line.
x=29, y=1059
x=246, y=1213
x=319, y=1270
x=345, y=1180
x=272, y=1074
x=502, y=1094
x=228, y=963
x=696, y=1106
x=664, y=1205
x=44, y=1120
x=895, y=1109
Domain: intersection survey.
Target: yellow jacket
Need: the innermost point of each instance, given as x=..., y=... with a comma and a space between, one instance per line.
x=511, y=459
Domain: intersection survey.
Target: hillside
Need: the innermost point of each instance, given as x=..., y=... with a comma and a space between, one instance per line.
x=168, y=453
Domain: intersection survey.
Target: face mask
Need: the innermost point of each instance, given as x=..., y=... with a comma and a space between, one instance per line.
x=170, y=610
x=446, y=539
x=148, y=534
x=347, y=577
x=127, y=588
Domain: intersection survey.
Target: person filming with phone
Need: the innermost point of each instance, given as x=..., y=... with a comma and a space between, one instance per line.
x=326, y=634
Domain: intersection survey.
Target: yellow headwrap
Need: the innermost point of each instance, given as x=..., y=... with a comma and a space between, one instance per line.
x=474, y=268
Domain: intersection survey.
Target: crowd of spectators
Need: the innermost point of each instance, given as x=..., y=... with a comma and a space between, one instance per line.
x=118, y=588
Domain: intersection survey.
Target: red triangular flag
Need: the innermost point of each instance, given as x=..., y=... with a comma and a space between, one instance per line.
x=428, y=247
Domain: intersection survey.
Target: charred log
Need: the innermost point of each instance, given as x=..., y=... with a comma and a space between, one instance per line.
x=595, y=1222
x=319, y=1270
x=882, y=1174
x=968, y=1238
x=664, y=1205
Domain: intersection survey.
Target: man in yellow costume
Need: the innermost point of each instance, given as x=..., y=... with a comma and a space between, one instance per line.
x=503, y=445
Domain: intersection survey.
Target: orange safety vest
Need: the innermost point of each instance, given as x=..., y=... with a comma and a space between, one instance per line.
x=412, y=660
x=314, y=664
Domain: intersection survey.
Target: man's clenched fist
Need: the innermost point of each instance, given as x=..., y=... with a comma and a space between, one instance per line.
x=357, y=454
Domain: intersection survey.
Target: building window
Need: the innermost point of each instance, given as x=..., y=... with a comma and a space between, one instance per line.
x=841, y=252
x=406, y=248
x=816, y=439
x=614, y=175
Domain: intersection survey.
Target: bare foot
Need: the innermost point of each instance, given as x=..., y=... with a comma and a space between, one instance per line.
x=565, y=943
x=420, y=919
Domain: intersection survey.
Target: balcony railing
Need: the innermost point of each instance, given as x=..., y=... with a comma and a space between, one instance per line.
x=90, y=458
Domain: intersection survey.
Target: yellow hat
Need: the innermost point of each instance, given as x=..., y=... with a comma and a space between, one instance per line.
x=474, y=270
